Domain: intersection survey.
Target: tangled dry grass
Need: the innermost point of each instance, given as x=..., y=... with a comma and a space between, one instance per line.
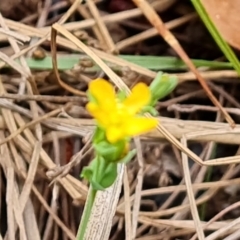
x=184, y=181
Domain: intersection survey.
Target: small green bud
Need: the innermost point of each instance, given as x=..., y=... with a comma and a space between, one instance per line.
x=161, y=86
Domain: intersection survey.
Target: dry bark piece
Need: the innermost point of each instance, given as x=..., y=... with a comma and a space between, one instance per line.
x=225, y=16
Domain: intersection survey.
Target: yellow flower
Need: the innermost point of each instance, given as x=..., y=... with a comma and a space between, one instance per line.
x=119, y=118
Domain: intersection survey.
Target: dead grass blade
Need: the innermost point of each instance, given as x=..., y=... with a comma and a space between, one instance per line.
x=191, y=197
x=30, y=220
x=17, y=36
x=54, y=216
x=153, y=32
x=58, y=28
x=219, y=215
x=27, y=212
x=55, y=69
x=10, y=203
x=13, y=64
x=41, y=199
x=54, y=207
x=26, y=190
x=128, y=223
x=224, y=229
x=69, y=183
x=218, y=132
x=40, y=98
x=195, y=186
x=186, y=224
x=107, y=39
x=19, y=216
x=137, y=197
x=32, y=123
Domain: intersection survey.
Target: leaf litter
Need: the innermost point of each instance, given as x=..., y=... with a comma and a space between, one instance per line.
x=171, y=190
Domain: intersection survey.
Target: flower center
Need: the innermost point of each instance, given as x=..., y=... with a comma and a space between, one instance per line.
x=119, y=115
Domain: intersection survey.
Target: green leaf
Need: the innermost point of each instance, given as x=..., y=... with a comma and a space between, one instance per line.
x=96, y=186
x=100, y=173
x=109, y=176
x=87, y=173
x=90, y=174
x=99, y=135
x=156, y=63
x=91, y=98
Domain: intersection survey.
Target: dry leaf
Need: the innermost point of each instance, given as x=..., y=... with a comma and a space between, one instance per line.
x=225, y=16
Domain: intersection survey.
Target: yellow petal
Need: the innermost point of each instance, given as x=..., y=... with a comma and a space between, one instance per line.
x=98, y=114
x=139, y=98
x=139, y=125
x=103, y=92
x=114, y=134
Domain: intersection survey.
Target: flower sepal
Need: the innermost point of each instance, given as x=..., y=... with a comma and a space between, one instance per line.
x=91, y=98
x=99, y=135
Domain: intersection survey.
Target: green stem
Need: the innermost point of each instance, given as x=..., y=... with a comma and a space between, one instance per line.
x=86, y=214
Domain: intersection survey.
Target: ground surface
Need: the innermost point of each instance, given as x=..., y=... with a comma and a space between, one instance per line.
x=39, y=138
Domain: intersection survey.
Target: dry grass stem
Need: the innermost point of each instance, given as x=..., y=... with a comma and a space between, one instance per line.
x=191, y=196
x=128, y=223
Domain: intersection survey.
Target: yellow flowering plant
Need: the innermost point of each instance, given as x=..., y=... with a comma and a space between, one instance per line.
x=118, y=119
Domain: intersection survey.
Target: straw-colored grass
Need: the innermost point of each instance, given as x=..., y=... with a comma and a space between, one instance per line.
x=34, y=136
